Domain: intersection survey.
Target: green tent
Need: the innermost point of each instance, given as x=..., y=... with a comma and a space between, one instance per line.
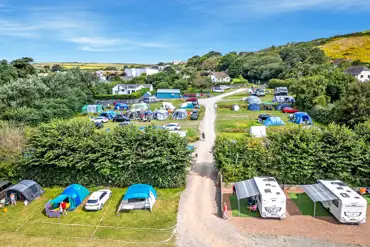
x=92, y=109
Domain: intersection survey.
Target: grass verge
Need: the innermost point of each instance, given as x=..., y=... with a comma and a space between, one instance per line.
x=306, y=205
x=244, y=212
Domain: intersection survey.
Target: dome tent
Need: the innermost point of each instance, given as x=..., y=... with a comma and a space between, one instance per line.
x=121, y=106
x=25, y=190
x=254, y=100
x=187, y=105
x=273, y=121
x=179, y=114
x=161, y=115
x=301, y=118
x=254, y=107
x=74, y=194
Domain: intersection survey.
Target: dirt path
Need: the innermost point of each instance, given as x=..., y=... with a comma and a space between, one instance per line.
x=198, y=224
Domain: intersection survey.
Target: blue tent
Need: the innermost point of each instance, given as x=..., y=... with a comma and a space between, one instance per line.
x=74, y=194
x=273, y=121
x=254, y=107
x=108, y=114
x=139, y=191
x=121, y=106
x=301, y=118
x=187, y=105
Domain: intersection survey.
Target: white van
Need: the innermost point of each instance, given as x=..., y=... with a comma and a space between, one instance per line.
x=271, y=201
x=350, y=207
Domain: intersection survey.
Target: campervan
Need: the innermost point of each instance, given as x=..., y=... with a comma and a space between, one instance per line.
x=350, y=207
x=281, y=91
x=271, y=201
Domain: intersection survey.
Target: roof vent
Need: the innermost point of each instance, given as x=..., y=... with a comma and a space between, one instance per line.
x=340, y=188
x=338, y=183
x=344, y=195
x=348, y=191
x=271, y=179
x=267, y=191
x=267, y=185
x=277, y=193
x=357, y=197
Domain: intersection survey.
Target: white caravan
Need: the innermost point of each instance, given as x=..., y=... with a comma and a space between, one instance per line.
x=271, y=201
x=350, y=207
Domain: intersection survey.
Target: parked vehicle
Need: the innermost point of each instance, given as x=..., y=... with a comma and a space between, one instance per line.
x=3, y=186
x=192, y=100
x=283, y=91
x=121, y=118
x=289, y=110
x=100, y=119
x=218, y=90
x=97, y=199
x=348, y=207
x=172, y=126
x=259, y=92
x=225, y=87
x=194, y=115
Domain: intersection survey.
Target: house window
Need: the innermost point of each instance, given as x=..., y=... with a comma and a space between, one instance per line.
x=368, y=76
x=361, y=76
x=336, y=203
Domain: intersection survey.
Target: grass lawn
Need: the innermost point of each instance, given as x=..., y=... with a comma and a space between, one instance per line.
x=306, y=205
x=134, y=226
x=244, y=212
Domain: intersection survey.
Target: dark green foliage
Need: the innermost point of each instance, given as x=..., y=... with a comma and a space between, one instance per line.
x=7, y=72
x=321, y=114
x=65, y=152
x=24, y=66
x=298, y=156
x=162, y=85
x=274, y=83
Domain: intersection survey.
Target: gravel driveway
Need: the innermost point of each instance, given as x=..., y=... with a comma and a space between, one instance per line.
x=198, y=224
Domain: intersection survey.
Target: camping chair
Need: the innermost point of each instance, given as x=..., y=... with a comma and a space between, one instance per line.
x=252, y=208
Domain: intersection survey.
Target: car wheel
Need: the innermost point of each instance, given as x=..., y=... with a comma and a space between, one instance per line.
x=101, y=206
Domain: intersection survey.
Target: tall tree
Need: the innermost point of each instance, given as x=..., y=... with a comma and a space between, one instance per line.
x=7, y=72
x=24, y=66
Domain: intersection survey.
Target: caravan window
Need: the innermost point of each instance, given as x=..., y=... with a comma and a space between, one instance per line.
x=336, y=203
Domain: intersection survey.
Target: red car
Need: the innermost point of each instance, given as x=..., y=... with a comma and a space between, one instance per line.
x=289, y=110
x=192, y=100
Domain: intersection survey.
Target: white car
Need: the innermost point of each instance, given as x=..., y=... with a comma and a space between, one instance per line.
x=97, y=199
x=218, y=90
x=100, y=119
x=172, y=126
x=224, y=87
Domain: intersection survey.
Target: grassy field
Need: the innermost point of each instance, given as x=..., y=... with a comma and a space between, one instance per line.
x=367, y=199
x=306, y=205
x=87, y=65
x=349, y=47
x=244, y=212
x=98, y=228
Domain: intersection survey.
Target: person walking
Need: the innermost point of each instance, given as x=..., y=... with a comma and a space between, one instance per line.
x=203, y=136
x=234, y=190
x=225, y=211
x=13, y=202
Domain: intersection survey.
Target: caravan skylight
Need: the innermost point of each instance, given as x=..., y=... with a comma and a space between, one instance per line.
x=338, y=183
x=344, y=195
x=267, y=191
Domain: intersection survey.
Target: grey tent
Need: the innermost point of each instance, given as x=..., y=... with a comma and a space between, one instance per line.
x=180, y=114
x=25, y=190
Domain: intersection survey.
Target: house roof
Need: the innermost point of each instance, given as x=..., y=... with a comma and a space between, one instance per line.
x=133, y=86
x=220, y=75
x=168, y=91
x=356, y=70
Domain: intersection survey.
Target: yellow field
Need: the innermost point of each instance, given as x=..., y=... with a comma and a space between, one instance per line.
x=86, y=65
x=354, y=48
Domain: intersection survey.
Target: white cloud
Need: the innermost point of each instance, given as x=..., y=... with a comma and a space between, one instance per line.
x=95, y=41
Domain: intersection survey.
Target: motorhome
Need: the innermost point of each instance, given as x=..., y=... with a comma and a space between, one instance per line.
x=271, y=201
x=350, y=207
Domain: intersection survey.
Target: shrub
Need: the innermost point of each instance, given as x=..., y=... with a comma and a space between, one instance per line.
x=65, y=152
x=274, y=83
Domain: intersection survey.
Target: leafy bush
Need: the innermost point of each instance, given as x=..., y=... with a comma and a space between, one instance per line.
x=322, y=114
x=135, y=95
x=64, y=152
x=296, y=155
x=274, y=83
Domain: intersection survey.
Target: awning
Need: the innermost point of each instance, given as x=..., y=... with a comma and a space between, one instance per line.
x=318, y=192
x=246, y=189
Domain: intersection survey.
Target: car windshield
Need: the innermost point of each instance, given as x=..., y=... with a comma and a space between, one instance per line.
x=92, y=201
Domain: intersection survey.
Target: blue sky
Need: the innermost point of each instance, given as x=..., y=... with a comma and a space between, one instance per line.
x=150, y=31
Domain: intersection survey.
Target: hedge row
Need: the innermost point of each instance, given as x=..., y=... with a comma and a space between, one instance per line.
x=65, y=152
x=296, y=155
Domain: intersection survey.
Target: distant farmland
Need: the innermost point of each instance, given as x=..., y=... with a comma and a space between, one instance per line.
x=87, y=65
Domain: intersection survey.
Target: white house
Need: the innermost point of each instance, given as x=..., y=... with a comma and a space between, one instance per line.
x=361, y=73
x=136, y=72
x=130, y=88
x=219, y=77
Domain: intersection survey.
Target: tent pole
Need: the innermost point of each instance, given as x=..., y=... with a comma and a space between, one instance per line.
x=239, y=206
x=314, y=211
